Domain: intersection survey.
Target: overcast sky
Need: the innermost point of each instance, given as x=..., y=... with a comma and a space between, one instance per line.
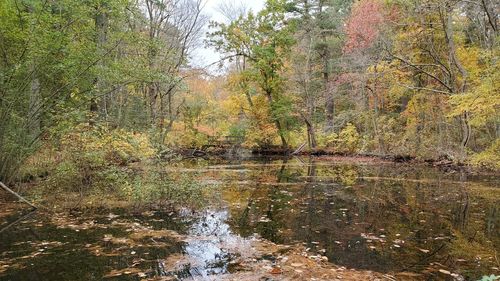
x=204, y=56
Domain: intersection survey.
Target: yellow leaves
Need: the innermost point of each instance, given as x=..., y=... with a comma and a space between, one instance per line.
x=233, y=105
x=85, y=140
x=470, y=57
x=262, y=133
x=425, y=108
x=483, y=105
x=238, y=33
x=490, y=157
x=347, y=141
x=482, y=101
x=380, y=67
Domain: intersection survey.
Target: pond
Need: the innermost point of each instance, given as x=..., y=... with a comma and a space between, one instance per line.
x=363, y=215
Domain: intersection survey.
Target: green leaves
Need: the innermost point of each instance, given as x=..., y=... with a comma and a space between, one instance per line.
x=265, y=40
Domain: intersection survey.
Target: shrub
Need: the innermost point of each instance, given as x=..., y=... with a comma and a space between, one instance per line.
x=346, y=142
x=90, y=155
x=489, y=158
x=101, y=146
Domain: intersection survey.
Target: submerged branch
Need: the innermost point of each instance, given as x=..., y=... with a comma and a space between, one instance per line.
x=17, y=195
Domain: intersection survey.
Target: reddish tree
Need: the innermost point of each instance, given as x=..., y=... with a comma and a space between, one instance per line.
x=363, y=26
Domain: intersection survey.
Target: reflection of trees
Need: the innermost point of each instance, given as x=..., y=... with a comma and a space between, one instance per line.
x=264, y=203
x=493, y=222
x=460, y=212
x=306, y=218
x=379, y=202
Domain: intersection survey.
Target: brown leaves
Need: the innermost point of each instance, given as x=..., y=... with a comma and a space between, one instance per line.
x=125, y=271
x=276, y=271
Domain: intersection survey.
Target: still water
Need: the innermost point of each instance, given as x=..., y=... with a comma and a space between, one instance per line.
x=383, y=217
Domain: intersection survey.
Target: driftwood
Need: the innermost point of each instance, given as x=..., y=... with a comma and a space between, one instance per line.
x=17, y=195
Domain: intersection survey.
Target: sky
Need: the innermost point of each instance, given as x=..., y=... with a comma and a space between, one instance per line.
x=205, y=56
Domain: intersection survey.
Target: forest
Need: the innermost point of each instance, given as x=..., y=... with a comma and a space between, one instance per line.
x=413, y=78
x=107, y=110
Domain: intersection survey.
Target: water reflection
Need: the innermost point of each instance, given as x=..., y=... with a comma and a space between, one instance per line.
x=378, y=217
x=211, y=246
x=382, y=217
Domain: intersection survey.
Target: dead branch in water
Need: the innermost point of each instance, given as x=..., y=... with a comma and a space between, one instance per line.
x=17, y=195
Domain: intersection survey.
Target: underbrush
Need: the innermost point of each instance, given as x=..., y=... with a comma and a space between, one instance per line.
x=95, y=165
x=489, y=158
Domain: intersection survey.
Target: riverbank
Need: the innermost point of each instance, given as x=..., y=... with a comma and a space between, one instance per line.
x=442, y=162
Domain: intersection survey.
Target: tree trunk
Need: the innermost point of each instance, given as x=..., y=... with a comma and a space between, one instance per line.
x=311, y=134
x=101, y=28
x=466, y=128
x=447, y=22
x=330, y=103
x=277, y=123
x=152, y=96
x=492, y=20
x=243, y=84
x=34, y=107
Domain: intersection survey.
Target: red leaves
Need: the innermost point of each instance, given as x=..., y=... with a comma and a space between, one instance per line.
x=363, y=26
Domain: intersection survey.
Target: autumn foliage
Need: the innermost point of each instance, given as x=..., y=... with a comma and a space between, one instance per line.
x=362, y=28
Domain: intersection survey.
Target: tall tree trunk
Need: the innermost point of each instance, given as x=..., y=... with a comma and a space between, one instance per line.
x=241, y=66
x=311, y=134
x=34, y=121
x=330, y=103
x=101, y=30
x=152, y=95
x=447, y=23
x=309, y=120
x=466, y=128
x=492, y=19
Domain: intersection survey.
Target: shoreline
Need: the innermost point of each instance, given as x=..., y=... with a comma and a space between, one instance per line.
x=442, y=162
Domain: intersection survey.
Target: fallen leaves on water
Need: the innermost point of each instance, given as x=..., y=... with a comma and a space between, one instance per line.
x=116, y=240
x=408, y=276
x=276, y=271
x=3, y=267
x=149, y=233
x=125, y=271
x=445, y=271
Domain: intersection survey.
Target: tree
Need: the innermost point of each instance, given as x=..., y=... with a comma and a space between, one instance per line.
x=316, y=59
x=265, y=40
x=35, y=81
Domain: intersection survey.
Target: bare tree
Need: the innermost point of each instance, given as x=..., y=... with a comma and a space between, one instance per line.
x=174, y=29
x=232, y=9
